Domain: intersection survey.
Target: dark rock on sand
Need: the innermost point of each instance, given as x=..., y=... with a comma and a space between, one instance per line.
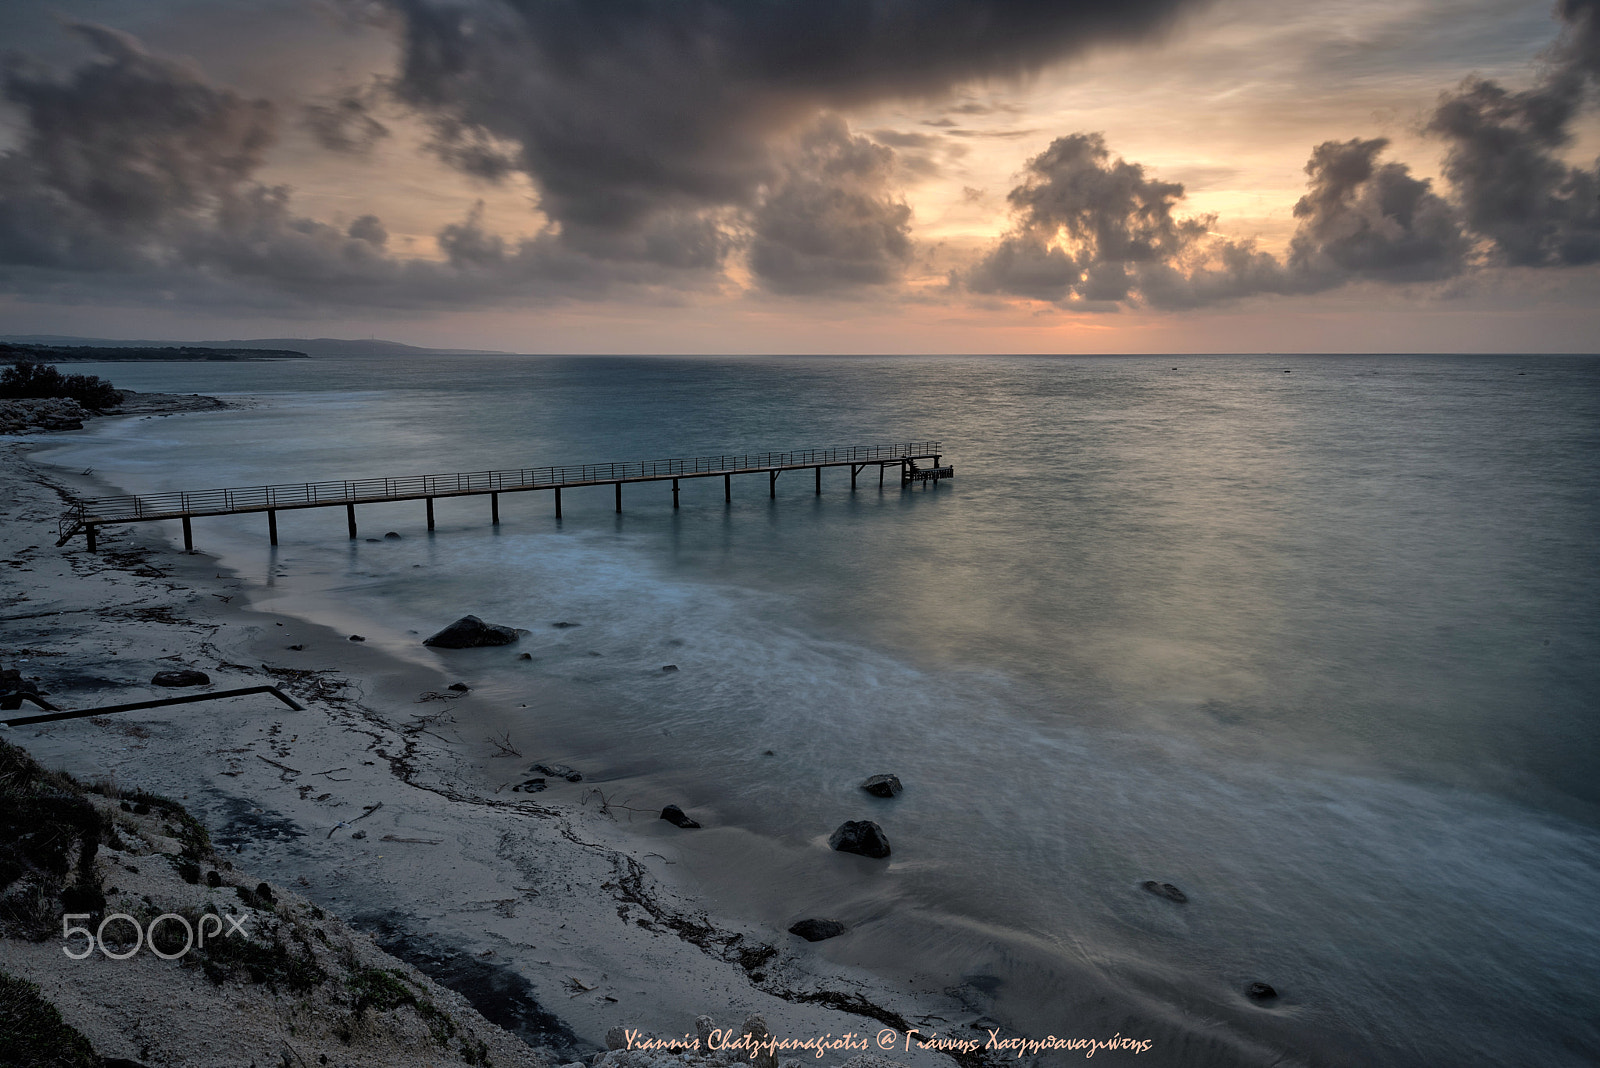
x=882, y=785
x=184, y=677
x=1166, y=890
x=862, y=837
x=1260, y=992
x=213, y=878
x=676, y=816
x=532, y=786
x=563, y=625
x=357, y=638
x=525, y=656
x=298, y=648
x=460, y=687
x=558, y=771
x=816, y=930
x=669, y=667
x=469, y=632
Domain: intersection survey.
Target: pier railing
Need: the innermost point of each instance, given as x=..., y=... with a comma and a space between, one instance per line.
x=131, y=508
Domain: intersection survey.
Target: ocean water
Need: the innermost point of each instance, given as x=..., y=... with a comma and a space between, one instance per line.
x=1313, y=638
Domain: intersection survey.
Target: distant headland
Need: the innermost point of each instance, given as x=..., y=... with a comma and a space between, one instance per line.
x=57, y=348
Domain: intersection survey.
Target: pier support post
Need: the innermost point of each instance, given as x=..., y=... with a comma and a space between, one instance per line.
x=272, y=525
x=88, y=532
x=819, y=480
x=772, y=484
x=494, y=508
x=188, y=535
x=880, y=475
x=674, y=493
x=558, y=502
x=430, y=513
x=619, y=498
x=727, y=488
x=350, y=516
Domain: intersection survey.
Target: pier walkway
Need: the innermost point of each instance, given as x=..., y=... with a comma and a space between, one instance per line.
x=89, y=514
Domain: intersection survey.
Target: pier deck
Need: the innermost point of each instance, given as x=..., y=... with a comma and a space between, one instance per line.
x=89, y=514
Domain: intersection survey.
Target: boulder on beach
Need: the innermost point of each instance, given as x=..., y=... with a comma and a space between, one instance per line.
x=184, y=677
x=882, y=785
x=1260, y=992
x=469, y=632
x=393, y=535
x=815, y=930
x=677, y=817
x=862, y=837
x=1166, y=890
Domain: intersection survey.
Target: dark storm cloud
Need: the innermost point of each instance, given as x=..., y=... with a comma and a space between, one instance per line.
x=1374, y=221
x=1503, y=160
x=832, y=221
x=345, y=122
x=1093, y=231
x=620, y=110
x=135, y=176
x=131, y=139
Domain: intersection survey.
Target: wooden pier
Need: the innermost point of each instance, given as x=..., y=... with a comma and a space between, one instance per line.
x=89, y=514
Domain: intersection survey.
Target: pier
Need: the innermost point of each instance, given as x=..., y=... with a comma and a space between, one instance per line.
x=89, y=514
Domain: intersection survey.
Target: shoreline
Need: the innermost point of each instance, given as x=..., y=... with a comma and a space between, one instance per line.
x=550, y=917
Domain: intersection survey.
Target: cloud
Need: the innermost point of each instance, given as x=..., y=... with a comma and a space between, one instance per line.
x=1502, y=163
x=344, y=122
x=832, y=221
x=131, y=139
x=1360, y=219
x=1096, y=232
x=620, y=111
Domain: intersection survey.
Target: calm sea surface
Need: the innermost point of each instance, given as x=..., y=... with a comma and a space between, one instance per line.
x=1313, y=638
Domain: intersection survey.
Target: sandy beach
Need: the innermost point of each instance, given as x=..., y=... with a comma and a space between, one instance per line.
x=556, y=915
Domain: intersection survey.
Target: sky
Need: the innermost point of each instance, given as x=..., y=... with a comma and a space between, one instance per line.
x=806, y=176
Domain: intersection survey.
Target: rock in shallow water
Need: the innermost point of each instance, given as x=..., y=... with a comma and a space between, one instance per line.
x=882, y=785
x=558, y=771
x=469, y=632
x=815, y=930
x=1260, y=992
x=181, y=678
x=862, y=837
x=1166, y=890
x=677, y=817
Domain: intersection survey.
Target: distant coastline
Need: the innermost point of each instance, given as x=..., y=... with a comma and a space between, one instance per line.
x=11, y=353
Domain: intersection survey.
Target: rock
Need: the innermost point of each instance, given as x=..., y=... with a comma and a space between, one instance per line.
x=1260, y=992
x=525, y=656
x=469, y=632
x=298, y=648
x=1166, y=890
x=357, y=638
x=703, y=1026
x=862, y=837
x=761, y=1055
x=392, y=535
x=563, y=625
x=264, y=892
x=882, y=785
x=669, y=667
x=816, y=930
x=558, y=771
x=617, y=1038
x=532, y=786
x=460, y=687
x=373, y=540
x=184, y=677
x=676, y=816
x=213, y=878
x=359, y=835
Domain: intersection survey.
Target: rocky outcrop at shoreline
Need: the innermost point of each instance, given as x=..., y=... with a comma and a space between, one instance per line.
x=28, y=415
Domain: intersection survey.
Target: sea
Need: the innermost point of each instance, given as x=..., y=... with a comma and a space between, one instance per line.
x=1313, y=639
